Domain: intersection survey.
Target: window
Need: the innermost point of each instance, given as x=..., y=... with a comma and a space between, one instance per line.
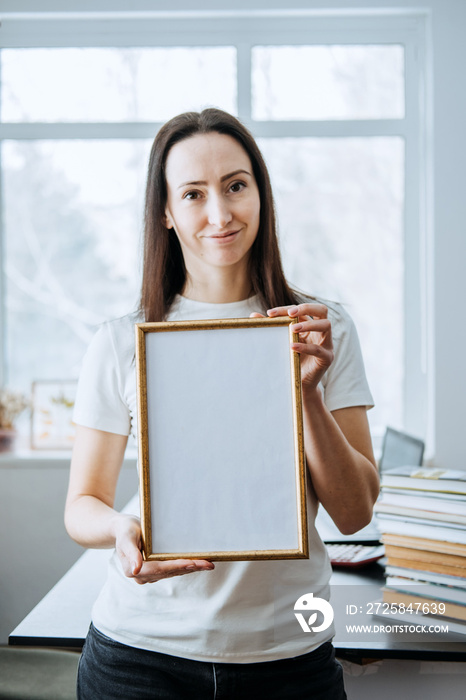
x=336, y=106
x=115, y=84
x=335, y=82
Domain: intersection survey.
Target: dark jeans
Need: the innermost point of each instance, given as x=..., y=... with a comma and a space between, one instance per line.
x=110, y=670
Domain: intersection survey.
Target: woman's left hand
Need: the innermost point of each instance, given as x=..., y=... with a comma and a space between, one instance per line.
x=315, y=339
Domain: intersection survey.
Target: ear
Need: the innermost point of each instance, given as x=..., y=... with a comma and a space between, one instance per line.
x=167, y=220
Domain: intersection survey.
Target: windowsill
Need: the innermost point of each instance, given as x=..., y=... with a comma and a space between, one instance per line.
x=25, y=458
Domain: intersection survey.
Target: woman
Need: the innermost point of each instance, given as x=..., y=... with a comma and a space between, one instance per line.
x=195, y=629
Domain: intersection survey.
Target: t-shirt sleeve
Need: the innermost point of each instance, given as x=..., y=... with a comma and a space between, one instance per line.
x=345, y=382
x=100, y=400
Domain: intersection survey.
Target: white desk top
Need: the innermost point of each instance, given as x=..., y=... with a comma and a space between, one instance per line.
x=67, y=606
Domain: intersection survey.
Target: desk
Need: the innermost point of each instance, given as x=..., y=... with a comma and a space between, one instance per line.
x=62, y=618
x=361, y=588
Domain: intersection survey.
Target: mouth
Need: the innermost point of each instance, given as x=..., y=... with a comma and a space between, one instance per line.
x=224, y=236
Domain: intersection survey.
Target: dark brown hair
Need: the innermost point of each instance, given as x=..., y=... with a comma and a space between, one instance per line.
x=164, y=271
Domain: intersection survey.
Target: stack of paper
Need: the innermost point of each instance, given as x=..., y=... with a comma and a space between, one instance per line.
x=422, y=516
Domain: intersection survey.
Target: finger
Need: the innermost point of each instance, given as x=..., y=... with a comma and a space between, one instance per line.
x=308, y=325
x=136, y=563
x=132, y=563
x=194, y=564
x=130, y=554
x=199, y=565
x=256, y=315
x=314, y=310
x=280, y=310
x=153, y=571
x=323, y=354
x=173, y=567
x=182, y=565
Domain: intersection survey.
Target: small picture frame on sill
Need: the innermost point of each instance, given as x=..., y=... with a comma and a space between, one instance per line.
x=52, y=406
x=221, y=449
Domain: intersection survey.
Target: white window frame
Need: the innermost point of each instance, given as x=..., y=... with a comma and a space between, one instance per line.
x=245, y=29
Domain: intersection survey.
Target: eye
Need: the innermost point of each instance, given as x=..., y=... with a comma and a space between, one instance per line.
x=192, y=194
x=237, y=186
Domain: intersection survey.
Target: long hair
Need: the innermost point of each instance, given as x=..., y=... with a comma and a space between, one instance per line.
x=164, y=271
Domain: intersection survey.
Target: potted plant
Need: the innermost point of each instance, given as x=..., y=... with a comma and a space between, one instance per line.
x=12, y=404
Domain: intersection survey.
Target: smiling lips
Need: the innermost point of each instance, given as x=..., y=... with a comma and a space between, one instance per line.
x=223, y=236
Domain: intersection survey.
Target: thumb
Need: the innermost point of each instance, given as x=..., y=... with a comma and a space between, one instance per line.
x=130, y=553
x=136, y=562
x=256, y=315
x=131, y=559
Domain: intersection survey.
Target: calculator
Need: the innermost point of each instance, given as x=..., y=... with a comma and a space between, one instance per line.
x=354, y=554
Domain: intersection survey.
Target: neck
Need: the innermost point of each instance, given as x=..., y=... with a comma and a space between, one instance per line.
x=222, y=286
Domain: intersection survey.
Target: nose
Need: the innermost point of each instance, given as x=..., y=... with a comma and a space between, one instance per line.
x=219, y=214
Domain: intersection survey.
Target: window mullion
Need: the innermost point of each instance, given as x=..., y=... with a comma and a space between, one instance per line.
x=244, y=83
x=330, y=129
x=417, y=402
x=265, y=129
x=82, y=130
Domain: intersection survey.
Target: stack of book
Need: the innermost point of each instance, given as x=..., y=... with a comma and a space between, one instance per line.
x=422, y=516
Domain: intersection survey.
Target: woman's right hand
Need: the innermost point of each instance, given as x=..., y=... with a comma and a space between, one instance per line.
x=89, y=515
x=128, y=545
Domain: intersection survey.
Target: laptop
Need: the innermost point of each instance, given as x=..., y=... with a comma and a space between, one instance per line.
x=398, y=449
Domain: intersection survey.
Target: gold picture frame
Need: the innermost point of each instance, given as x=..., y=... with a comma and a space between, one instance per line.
x=221, y=447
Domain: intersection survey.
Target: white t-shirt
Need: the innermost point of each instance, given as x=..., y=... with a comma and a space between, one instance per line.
x=241, y=612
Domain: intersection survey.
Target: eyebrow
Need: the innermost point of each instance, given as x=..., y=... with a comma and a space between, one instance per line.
x=222, y=179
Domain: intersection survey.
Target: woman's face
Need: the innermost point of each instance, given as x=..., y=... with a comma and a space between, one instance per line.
x=213, y=201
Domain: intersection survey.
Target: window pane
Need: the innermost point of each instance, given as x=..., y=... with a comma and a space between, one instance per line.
x=73, y=214
x=111, y=85
x=340, y=205
x=327, y=82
